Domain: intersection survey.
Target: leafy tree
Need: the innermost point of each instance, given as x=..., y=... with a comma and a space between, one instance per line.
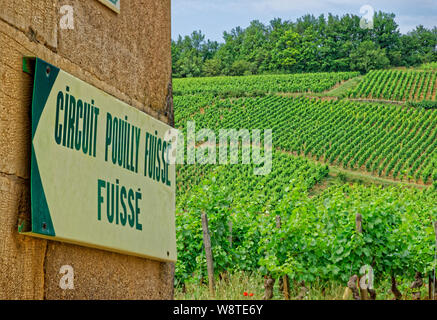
x=212, y=67
x=241, y=67
x=189, y=54
x=418, y=46
x=368, y=56
x=189, y=64
x=309, y=57
x=309, y=44
x=286, y=52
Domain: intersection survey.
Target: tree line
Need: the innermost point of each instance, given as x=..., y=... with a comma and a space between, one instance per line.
x=310, y=44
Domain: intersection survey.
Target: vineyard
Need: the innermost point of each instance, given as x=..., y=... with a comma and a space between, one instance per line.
x=317, y=240
x=260, y=85
x=398, y=85
x=277, y=225
x=384, y=140
x=285, y=168
x=250, y=194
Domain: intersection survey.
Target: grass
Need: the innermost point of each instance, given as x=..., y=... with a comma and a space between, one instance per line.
x=338, y=175
x=235, y=285
x=344, y=88
x=368, y=178
x=229, y=289
x=338, y=91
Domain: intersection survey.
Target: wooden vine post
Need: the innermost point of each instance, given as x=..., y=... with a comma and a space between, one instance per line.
x=284, y=282
x=230, y=233
x=352, y=289
x=269, y=282
x=394, y=288
x=432, y=288
x=364, y=293
x=359, y=223
x=353, y=286
x=434, y=273
x=208, y=253
x=416, y=285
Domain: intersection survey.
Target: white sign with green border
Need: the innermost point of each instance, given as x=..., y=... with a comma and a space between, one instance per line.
x=100, y=174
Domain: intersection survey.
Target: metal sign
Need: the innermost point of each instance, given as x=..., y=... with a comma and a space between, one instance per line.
x=112, y=4
x=100, y=169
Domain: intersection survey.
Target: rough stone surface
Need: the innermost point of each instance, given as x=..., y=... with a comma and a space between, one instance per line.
x=21, y=258
x=106, y=275
x=15, y=101
x=126, y=55
x=130, y=50
x=38, y=19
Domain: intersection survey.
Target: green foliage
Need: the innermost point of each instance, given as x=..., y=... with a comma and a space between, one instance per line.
x=286, y=51
x=368, y=56
x=211, y=199
x=342, y=177
x=400, y=85
x=231, y=194
x=259, y=85
x=418, y=46
x=431, y=66
x=326, y=43
x=212, y=67
x=190, y=53
x=318, y=237
x=241, y=68
x=425, y=104
x=397, y=142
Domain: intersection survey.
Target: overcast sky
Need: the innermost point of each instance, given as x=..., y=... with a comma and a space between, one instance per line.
x=215, y=16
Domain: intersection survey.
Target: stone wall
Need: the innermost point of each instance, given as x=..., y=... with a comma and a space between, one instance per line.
x=127, y=55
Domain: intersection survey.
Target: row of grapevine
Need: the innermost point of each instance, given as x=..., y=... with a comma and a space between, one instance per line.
x=398, y=85
x=260, y=85
x=284, y=166
x=317, y=240
x=397, y=142
x=223, y=189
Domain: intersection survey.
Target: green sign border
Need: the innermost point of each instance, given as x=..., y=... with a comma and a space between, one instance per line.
x=47, y=74
x=41, y=225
